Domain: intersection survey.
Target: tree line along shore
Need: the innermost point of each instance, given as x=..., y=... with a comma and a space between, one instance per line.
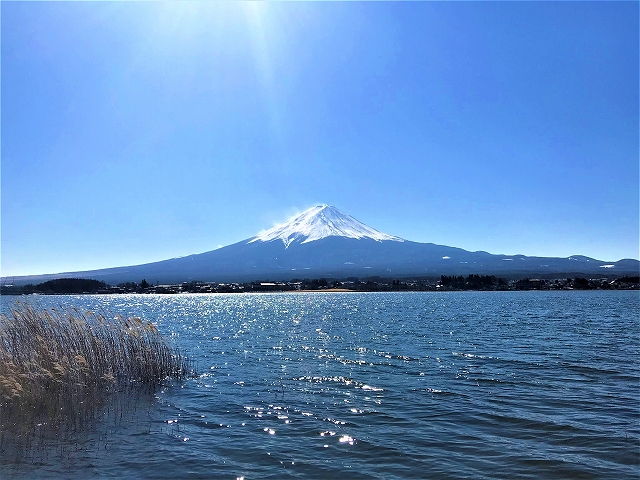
x=370, y=284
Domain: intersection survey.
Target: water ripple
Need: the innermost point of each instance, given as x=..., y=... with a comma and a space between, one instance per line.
x=410, y=385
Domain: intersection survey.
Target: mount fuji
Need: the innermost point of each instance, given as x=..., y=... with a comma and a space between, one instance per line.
x=321, y=222
x=325, y=242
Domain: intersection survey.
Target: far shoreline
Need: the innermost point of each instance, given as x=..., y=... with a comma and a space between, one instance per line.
x=78, y=286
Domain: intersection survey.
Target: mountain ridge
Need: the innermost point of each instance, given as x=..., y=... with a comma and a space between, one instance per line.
x=325, y=242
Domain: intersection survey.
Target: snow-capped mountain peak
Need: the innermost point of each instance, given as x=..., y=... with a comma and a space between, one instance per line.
x=319, y=222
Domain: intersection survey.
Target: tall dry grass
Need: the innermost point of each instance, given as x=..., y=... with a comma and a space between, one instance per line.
x=54, y=364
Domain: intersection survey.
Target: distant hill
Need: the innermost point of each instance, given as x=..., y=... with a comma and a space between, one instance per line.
x=325, y=242
x=67, y=285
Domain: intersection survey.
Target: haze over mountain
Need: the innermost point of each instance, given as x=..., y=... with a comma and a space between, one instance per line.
x=325, y=242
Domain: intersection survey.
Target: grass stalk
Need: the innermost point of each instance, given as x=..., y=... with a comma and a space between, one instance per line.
x=56, y=365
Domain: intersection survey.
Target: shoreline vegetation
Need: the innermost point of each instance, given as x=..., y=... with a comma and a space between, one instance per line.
x=76, y=286
x=59, y=368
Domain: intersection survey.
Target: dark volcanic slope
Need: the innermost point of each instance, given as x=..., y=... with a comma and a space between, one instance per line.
x=342, y=257
x=325, y=242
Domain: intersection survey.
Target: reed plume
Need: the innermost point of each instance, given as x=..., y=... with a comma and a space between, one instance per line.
x=53, y=363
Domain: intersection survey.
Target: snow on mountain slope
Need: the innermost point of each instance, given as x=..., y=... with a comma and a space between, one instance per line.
x=319, y=222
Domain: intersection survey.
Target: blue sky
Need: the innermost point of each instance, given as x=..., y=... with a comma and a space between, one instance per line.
x=135, y=132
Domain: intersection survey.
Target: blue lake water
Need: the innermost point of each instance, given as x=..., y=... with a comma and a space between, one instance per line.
x=374, y=385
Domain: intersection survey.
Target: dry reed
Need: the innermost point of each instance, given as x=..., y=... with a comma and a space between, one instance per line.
x=56, y=364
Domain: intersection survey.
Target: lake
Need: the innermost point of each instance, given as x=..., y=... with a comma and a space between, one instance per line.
x=370, y=385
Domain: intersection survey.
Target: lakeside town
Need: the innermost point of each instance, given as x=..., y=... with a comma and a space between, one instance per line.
x=371, y=284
